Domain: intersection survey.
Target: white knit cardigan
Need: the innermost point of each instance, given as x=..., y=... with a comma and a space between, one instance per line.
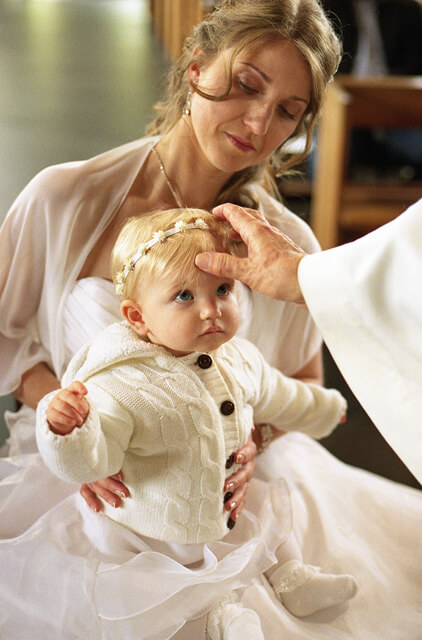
x=162, y=420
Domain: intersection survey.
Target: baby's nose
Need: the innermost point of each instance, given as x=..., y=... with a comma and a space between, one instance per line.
x=210, y=309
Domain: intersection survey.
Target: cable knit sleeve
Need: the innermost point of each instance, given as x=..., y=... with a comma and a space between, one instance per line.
x=289, y=404
x=95, y=450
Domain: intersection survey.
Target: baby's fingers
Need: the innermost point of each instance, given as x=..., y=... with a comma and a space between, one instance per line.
x=71, y=404
x=68, y=409
x=78, y=388
x=61, y=423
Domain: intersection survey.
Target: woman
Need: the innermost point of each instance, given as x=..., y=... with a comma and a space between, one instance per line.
x=250, y=78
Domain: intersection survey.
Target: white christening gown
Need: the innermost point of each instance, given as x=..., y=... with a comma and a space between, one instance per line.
x=67, y=573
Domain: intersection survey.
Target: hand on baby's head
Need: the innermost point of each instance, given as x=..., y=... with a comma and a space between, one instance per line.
x=68, y=409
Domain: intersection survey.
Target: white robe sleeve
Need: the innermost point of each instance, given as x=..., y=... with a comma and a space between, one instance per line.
x=366, y=298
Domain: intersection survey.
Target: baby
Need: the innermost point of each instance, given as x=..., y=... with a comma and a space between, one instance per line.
x=170, y=393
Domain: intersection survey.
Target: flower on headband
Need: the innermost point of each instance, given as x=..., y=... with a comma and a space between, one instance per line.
x=120, y=282
x=159, y=236
x=142, y=249
x=180, y=225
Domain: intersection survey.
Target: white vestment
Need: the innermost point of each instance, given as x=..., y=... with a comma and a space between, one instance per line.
x=366, y=298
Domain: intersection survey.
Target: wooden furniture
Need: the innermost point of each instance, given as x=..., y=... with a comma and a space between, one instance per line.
x=337, y=204
x=173, y=20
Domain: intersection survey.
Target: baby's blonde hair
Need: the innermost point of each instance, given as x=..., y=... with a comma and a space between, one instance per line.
x=176, y=254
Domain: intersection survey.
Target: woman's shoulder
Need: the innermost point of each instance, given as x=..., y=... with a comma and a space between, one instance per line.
x=68, y=174
x=290, y=223
x=54, y=191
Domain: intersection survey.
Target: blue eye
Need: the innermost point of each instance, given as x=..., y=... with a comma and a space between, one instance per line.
x=184, y=296
x=223, y=289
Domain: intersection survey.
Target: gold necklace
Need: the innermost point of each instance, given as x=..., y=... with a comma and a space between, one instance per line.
x=167, y=179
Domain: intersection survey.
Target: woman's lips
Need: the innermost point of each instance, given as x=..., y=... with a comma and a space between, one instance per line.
x=243, y=145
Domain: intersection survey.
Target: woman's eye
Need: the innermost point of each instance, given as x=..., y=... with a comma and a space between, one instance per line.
x=245, y=87
x=184, y=296
x=286, y=113
x=223, y=289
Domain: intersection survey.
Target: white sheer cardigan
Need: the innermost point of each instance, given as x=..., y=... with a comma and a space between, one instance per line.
x=48, y=234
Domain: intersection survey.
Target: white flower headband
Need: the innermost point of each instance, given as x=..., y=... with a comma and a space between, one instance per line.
x=158, y=236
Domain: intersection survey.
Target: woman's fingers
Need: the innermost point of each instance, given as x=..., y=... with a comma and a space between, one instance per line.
x=236, y=486
x=242, y=476
x=90, y=498
x=238, y=502
x=247, y=452
x=110, y=489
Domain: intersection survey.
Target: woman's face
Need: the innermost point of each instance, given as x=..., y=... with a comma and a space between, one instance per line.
x=270, y=92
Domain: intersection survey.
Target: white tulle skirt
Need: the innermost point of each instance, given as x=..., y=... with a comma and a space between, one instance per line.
x=70, y=573
x=67, y=573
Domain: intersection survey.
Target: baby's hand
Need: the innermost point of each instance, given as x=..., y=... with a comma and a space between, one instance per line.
x=68, y=409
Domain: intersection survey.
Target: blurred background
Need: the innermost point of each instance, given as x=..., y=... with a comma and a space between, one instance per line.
x=78, y=77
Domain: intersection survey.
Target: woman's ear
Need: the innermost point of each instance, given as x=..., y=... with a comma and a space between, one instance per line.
x=194, y=68
x=132, y=312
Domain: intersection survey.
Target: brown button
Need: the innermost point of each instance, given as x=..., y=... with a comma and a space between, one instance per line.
x=204, y=361
x=227, y=407
x=230, y=461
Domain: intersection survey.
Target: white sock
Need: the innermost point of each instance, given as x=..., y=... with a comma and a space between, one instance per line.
x=229, y=620
x=303, y=589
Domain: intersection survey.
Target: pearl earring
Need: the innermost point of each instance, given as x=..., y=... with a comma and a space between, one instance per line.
x=187, y=107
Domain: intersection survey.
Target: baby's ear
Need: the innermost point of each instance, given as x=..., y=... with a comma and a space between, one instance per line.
x=132, y=312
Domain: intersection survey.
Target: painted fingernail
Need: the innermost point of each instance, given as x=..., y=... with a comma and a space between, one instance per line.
x=121, y=494
x=230, y=486
x=240, y=458
x=231, y=523
x=227, y=496
x=232, y=505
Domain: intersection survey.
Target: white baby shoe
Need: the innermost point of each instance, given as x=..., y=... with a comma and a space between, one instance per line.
x=303, y=589
x=230, y=620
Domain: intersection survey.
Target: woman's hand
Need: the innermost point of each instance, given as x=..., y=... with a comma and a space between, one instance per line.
x=236, y=485
x=111, y=490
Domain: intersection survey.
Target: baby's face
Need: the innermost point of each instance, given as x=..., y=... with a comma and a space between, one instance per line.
x=197, y=314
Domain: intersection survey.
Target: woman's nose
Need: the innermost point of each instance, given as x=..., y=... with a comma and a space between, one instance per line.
x=258, y=118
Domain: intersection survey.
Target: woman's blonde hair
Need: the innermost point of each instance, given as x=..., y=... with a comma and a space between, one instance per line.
x=175, y=254
x=241, y=24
